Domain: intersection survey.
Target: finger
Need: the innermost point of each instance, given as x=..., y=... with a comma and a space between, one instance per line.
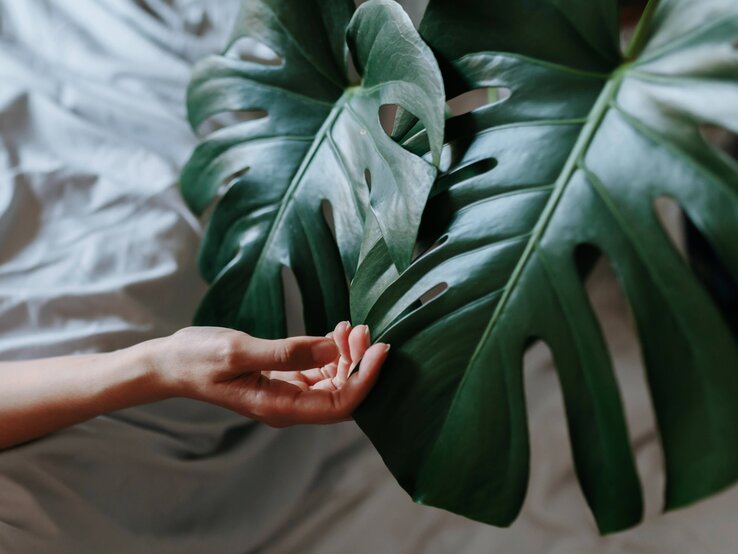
x=312, y=376
x=325, y=384
x=340, y=336
x=293, y=354
x=359, y=341
x=330, y=406
x=283, y=375
x=302, y=385
x=294, y=377
x=363, y=379
x=343, y=368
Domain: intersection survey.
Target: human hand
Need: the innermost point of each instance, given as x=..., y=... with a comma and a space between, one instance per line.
x=278, y=382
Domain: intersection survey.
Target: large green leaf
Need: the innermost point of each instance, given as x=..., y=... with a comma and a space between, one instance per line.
x=321, y=132
x=570, y=164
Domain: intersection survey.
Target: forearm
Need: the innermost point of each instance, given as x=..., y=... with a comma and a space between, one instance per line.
x=279, y=382
x=38, y=397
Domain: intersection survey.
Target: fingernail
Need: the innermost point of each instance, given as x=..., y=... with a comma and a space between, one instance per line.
x=324, y=351
x=386, y=348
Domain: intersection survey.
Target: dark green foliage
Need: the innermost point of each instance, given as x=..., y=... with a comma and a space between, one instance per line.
x=570, y=163
x=320, y=134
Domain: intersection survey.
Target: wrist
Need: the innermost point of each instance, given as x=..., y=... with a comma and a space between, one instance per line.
x=148, y=361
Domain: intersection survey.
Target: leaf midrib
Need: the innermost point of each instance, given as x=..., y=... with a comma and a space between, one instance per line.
x=322, y=135
x=594, y=119
x=286, y=200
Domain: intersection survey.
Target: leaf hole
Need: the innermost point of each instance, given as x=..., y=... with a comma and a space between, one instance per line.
x=432, y=293
x=227, y=119
x=398, y=123
x=224, y=187
x=251, y=50
x=617, y=324
x=368, y=179
x=477, y=98
x=293, y=306
x=421, y=249
x=712, y=273
x=233, y=176
x=630, y=13
x=326, y=209
x=586, y=256
x=701, y=257
x=721, y=138
x=463, y=173
x=387, y=115
x=552, y=478
x=669, y=214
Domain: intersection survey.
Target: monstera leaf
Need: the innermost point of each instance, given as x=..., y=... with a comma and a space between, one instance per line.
x=568, y=166
x=320, y=141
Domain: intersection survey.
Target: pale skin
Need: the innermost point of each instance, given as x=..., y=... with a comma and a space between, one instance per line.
x=285, y=382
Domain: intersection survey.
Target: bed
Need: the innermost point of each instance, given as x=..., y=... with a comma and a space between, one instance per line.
x=97, y=252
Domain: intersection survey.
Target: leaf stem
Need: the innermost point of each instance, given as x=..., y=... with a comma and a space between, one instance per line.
x=638, y=40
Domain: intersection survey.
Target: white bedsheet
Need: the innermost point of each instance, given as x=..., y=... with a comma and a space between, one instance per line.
x=97, y=252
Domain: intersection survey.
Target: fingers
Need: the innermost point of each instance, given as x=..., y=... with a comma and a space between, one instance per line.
x=318, y=406
x=359, y=341
x=351, y=343
x=273, y=385
x=341, y=337
x=290, y=406
x=312, y=376
x=307, y=377
x=293, y=354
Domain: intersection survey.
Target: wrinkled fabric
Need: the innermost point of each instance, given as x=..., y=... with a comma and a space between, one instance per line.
x=97, y=252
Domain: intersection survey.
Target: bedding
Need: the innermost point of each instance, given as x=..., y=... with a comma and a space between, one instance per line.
x=97, y=252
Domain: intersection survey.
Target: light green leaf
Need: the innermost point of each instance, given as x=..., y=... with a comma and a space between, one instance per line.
x=319, y=136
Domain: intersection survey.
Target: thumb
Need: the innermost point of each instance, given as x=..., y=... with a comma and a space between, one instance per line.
x=293, y=354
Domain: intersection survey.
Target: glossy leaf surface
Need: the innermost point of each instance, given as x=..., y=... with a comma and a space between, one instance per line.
x=320, y=141
x=569, y=165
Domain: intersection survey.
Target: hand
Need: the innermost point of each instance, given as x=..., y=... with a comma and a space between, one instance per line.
x=279, y=382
